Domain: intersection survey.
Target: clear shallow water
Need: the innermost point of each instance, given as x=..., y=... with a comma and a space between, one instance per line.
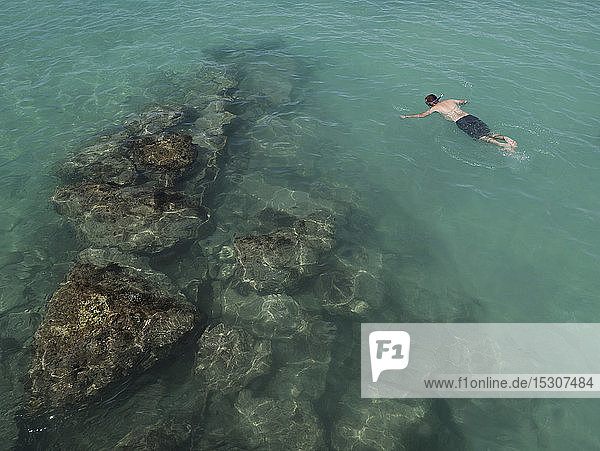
x=460, y=220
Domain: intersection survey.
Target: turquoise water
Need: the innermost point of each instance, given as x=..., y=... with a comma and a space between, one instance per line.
x=471, y=233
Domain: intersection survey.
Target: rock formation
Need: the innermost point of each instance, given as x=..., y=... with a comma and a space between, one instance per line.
x=103, y=324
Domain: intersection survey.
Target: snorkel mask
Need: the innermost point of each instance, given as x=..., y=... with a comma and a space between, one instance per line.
x=433, y=102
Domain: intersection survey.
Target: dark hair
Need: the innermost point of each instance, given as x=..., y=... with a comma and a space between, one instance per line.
x=430, y=98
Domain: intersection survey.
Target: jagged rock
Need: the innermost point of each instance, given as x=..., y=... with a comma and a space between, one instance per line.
x=163, y=157
x=153, y=145
x=164, y=435
x=102, y=325
x=104, y=162
x=228, y=359
x=276, y=424
x=136, y=218
x=278, y=261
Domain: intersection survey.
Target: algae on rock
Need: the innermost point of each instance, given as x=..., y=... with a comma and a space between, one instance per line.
x=163, y=157
x=132, y=218
x=103, y=324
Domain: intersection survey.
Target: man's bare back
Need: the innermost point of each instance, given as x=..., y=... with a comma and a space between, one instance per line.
x=473, y=126
x=449, y=109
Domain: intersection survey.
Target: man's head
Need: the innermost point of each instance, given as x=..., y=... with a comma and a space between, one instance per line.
x=432, y=99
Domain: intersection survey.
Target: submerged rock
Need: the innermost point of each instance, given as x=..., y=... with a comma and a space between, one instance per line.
x=104, y=162
x=253, y=194
x=305, y=361
x=278, y=261
x=213, y=118
x=276, y=424
x=271, y=316
x=163, y=157
x=352, y=285
x=165, y=435
x=102, y=325
x=301, y=343
x=199, y=87
x=379, y=424
x=157, y=120
x=209, y=134
x=132, y=218
x=228, y=359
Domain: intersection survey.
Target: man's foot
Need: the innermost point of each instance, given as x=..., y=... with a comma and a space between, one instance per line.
x=511, y=142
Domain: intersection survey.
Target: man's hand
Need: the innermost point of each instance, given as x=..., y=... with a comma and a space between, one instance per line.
x=426, y=113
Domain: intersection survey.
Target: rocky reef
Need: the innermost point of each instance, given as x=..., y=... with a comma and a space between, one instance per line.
x=260, y=262
x=103, y=324
x=115, y=316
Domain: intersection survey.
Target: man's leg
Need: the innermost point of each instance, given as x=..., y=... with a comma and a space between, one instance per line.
x=491, y=140
x=510, y=141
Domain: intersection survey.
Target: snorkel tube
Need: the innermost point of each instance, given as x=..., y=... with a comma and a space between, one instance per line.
x=436, y=100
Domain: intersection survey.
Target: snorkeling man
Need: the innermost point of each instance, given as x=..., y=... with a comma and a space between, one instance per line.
x=471, y=125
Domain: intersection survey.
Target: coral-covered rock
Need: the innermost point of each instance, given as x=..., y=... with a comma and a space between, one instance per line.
x=103, y=324
x=164, y=157
x=132, y=218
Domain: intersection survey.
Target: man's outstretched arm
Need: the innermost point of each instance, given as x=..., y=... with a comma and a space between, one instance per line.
x=426, y=113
